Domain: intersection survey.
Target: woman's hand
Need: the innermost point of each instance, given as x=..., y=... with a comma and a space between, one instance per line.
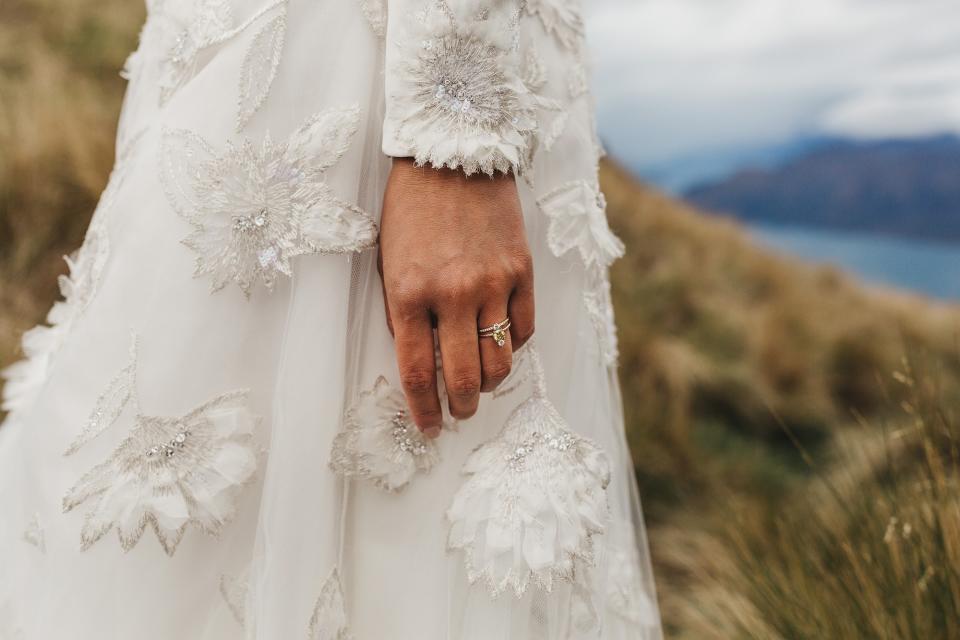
x=453, y=254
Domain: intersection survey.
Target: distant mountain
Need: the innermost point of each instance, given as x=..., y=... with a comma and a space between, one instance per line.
x=899, y=187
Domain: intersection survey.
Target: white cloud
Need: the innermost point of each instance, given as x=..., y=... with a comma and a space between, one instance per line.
x=686, y=78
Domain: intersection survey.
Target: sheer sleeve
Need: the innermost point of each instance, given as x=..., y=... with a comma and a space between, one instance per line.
x=454, y=96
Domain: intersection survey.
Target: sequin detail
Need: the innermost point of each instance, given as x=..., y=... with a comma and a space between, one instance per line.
x=380, y=442
x=534, y=499
x=169, y=473
x=329, y=620
x=254, y=207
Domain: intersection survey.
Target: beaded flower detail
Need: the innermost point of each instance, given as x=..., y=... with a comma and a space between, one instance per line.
x=254, y=207
x=462, y=105
x=534, y=499
x=380, y=442
x=168, y=473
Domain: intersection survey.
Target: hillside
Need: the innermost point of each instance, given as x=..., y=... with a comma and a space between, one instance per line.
x=898, y=187
x=740, y=370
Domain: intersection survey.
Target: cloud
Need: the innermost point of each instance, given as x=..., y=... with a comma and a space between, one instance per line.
x=686, y=78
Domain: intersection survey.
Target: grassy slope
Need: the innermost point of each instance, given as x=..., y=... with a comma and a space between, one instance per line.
x=718, y=338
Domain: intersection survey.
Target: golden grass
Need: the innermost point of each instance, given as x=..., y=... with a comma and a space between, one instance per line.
x=721, y=342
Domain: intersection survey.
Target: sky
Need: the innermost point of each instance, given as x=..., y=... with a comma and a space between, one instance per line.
x=690, y=88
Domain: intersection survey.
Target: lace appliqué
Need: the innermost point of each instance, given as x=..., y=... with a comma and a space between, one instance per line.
x=33, y=534
x=234, y=593
x=578, y=83
x=375, y=11
x=626, y=596
x=180, y=30
x=79, y=287
x=535, y=78
x=259, y=67
x=534, y=499
x=170, y=473
x=329, y=620
x=578, y=221
x=598, y=302
x=561, y=19
x=255, y=207
x=380, y=442
x=462, y=106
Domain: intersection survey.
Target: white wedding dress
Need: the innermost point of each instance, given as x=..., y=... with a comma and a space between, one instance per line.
x=206, y=441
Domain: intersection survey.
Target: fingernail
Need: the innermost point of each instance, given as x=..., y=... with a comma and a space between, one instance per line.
x=432, y=432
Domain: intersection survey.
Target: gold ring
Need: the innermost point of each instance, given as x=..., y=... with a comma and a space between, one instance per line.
x=497, y=331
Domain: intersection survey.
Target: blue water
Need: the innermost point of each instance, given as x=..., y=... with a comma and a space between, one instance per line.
x=928, y=268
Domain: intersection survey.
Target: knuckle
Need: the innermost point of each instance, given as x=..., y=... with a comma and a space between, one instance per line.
x=464, y=385
x=523, y=267
x=497, y=370
x=428, y=418
x=416, y=379
x=459, y=289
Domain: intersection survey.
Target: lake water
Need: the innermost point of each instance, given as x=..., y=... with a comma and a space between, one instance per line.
x=925, y=267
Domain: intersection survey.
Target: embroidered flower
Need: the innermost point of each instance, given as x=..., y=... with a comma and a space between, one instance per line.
x=170, y=473
x=380, y=442
x=578, y=220
x=561, y=19
x=534, y=499
x=255, y=207
x=329, y=619
x=458, y=101
x=626, y=596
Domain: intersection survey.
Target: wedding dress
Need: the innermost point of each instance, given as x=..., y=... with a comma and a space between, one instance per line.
x=207, y=439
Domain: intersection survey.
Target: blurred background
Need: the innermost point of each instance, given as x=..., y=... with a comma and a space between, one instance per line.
x=786, y=177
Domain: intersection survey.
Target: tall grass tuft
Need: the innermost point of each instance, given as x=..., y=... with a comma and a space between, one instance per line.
x=873, y=552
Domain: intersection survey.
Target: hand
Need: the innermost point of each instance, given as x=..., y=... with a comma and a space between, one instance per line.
x=453, y=254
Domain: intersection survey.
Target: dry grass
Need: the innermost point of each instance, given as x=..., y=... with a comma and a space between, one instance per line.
x=720, y=343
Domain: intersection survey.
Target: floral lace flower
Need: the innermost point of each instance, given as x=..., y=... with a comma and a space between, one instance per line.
x=578, y=220
x=458, y=101
x=170, y=473
x=255, y=207
x=598, y=302
x=534, y=499
x=379, y=441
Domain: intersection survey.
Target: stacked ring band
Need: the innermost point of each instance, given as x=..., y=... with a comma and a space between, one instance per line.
x=498, y=331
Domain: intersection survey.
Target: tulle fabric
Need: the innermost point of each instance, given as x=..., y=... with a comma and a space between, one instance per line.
x=304, y=548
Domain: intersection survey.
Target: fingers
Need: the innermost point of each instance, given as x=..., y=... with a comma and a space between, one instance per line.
x=521, y=308
x=495, y=360
x=460, y=354
x=416, y=359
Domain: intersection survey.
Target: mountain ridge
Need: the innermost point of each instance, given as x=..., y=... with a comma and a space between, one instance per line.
x=900, y=187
